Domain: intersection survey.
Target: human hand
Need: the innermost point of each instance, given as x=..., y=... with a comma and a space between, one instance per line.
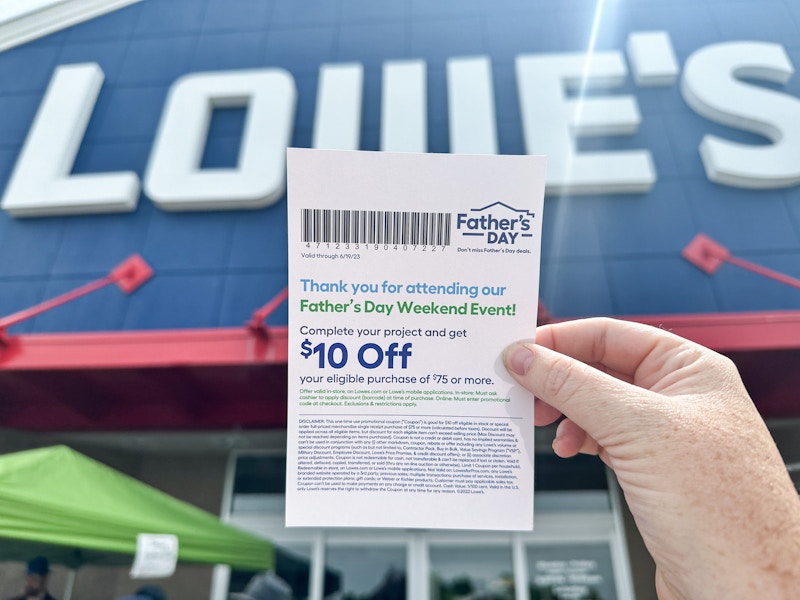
x=699, y=469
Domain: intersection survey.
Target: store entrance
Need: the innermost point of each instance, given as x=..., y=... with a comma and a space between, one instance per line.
x=577, y=551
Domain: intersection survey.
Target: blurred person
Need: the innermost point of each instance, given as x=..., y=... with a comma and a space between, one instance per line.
x=702, y=476
x=36, y=580
x=265, y=586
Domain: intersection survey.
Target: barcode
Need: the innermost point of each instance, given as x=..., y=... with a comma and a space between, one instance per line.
x=376, y=227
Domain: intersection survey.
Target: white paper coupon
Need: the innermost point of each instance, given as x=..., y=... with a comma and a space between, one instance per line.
x=408, y=275
x=156, y=556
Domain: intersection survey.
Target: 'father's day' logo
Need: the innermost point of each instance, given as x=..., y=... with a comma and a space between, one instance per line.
x=497, y=224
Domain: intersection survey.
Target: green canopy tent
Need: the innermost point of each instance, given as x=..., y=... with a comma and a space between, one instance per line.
x=74, y=510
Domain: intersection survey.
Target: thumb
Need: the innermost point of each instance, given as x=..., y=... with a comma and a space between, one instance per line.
x=592, y=399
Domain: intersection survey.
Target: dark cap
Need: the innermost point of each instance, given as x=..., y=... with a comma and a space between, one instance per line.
x=38, y=566
x=149, y=592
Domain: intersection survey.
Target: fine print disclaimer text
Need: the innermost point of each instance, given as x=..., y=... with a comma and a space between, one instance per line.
x=424, y=455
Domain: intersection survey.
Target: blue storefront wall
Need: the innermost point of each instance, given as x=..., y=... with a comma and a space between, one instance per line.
x=614, y=254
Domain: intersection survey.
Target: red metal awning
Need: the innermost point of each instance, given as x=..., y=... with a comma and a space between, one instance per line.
x=733, y=332
x=212, y=379
x=206, y=379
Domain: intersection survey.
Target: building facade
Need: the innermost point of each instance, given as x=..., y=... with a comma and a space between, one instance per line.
x=157, y=128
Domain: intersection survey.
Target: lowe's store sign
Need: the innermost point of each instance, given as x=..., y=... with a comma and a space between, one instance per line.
x=660, y=120
x=714, y=83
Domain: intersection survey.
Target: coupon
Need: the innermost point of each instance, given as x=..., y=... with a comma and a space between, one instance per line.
x=408, y=276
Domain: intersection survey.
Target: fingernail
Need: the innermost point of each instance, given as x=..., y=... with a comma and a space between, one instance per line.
x=558, y=437
x=559, y=432
x=518, y=358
